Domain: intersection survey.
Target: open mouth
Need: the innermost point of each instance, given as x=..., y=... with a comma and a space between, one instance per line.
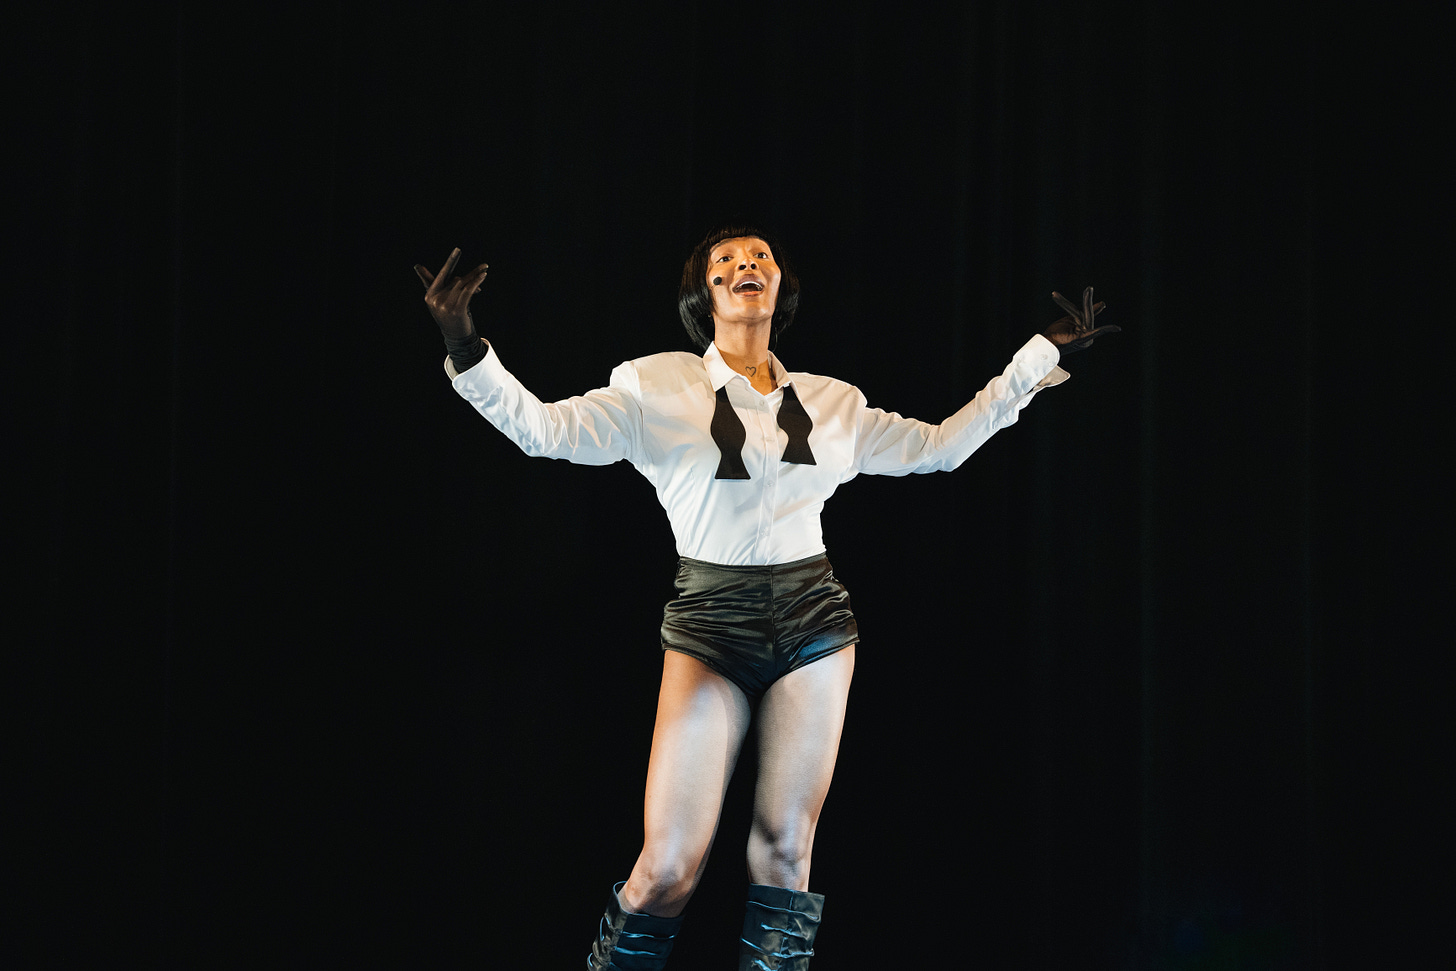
x=748, y=286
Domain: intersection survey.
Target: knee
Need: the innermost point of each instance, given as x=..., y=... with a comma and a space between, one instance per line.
x=660, y=884
x=778, y=856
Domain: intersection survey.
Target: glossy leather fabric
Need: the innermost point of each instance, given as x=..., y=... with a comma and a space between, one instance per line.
x=778, y=929
x=754, y=624
x=631, y=942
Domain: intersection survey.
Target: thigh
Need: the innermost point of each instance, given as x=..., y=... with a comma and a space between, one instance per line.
x=799, y=724
x=701, y=720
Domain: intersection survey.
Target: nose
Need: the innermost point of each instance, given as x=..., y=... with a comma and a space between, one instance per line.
x=748, y=264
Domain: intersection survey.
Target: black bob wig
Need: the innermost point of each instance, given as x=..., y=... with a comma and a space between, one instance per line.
x=695, y=298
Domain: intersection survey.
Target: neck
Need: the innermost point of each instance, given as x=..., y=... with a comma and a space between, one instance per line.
x=742, y=345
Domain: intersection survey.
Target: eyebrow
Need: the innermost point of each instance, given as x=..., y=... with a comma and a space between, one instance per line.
x=714, y=251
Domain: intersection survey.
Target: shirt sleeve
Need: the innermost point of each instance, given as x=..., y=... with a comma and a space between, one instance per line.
x=596, y=428
x=887, y=444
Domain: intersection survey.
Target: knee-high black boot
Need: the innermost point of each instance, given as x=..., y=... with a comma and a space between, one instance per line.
x=778, y=929
x=631, y=942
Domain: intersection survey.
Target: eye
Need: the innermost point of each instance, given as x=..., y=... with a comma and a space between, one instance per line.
x=764, y=256
x=724, y=259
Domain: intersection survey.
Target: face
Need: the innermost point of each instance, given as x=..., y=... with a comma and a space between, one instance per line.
x=750, y=279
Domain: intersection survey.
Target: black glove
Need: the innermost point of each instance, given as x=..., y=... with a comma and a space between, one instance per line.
x=1074, y=332
x=449, y=301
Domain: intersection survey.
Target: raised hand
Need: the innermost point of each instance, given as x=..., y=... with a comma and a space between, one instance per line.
x=1075, y=331
x=448, y=297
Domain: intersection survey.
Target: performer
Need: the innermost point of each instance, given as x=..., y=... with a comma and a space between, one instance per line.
x=743, y=452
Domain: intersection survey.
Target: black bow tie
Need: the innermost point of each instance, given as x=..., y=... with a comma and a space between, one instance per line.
x=729, y=435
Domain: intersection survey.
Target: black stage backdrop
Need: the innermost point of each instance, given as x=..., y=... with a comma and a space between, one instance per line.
x=326, y=673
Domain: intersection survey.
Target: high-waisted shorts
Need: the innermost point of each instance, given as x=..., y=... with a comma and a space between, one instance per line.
x=755, y=624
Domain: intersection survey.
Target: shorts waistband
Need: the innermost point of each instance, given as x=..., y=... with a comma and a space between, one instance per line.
x=755, y=569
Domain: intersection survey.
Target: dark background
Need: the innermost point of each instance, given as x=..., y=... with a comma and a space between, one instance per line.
x=314, y=669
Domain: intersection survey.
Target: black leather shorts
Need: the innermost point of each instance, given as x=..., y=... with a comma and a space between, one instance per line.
x=755, y=624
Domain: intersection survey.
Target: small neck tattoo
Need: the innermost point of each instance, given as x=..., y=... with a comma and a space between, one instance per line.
x=752, y=371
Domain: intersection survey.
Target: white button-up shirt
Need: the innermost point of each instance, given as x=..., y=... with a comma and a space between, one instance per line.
x=656, y=411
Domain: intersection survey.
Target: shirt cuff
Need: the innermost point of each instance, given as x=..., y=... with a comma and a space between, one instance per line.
x=450, y=365
x=1038, y=352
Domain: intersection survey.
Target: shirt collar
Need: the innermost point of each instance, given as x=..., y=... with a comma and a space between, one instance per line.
x=719, y=373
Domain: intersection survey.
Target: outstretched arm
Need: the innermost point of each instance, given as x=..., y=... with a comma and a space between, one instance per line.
x=596, y=428
x=887, y=444
x=448, y=299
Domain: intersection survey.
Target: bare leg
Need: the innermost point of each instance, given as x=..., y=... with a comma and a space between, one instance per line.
x=701, y=720
x=799, y=724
